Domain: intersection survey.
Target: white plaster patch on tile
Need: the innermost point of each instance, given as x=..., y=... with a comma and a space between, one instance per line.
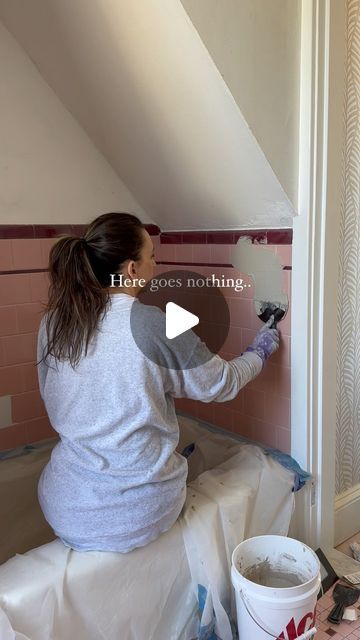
x=263, y=265
x=5, y=411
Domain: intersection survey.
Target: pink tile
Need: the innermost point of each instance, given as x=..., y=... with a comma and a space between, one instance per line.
x=284, y=325
x=284, y=251
x=201, y=253
x=254, y=403
x=267, y=380
x=222, y=417
x=256, y=323
x=284, y=381
x=19, y=349
x=166, y=252
x=40, y=429
x=277, y=410
x=11, y=381
x=187, y=406
x=247, y=337
x=205, y=411
x=14, y=289
x=27, y=405
x=284, y=440
x=6, y=260
x=242, y=425
x=230, y=279
x=183, y=252
x=210, y=334
x=26, y=253
x=241, y=313
x=156, y=241
x=29, y=316
x=237, y=404
x=8, y=321
x=233, y=341
x=29, y=376
x=282, y=356
x=263, y=432
x=220, y=253
x=39, y=285
x=14, y=436
x=226, y=355
x=245, y=284
x=286, y=281
x=45, y=245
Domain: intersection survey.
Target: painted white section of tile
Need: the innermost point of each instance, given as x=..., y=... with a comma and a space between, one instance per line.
x=263, y=265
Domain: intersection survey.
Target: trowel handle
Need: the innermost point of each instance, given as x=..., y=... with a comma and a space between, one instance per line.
x=336, y=614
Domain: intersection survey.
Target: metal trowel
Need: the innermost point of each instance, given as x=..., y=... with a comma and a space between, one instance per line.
x=344, y=597
x=265, y=310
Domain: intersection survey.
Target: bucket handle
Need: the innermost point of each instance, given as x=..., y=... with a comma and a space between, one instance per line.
x=304, y=636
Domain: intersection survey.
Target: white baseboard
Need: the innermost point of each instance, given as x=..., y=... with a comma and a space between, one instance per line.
x=347, y=514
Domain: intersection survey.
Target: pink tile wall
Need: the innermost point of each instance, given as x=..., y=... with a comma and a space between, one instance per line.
x=21, y=302
x=261, y=411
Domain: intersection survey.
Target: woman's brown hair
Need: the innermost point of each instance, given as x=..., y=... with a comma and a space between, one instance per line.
x=79, y=270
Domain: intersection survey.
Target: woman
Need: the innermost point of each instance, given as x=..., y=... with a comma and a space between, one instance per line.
x=114, y=481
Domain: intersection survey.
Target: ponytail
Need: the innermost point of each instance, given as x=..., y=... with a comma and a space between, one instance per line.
x=79, y=270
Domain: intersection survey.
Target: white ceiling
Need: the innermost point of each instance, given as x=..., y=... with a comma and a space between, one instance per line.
x=139, y=80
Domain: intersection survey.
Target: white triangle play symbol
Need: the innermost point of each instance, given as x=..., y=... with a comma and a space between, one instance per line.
x=178, y=320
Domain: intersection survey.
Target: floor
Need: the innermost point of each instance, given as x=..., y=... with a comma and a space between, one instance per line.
x=340, y=560
x=326, y=631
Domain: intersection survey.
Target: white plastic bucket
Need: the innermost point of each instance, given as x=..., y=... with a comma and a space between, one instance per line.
x=276, y=581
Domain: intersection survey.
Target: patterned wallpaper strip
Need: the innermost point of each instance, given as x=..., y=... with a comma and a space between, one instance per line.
x=348, y=312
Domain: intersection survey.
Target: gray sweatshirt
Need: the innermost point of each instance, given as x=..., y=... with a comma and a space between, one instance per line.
x=114, y=481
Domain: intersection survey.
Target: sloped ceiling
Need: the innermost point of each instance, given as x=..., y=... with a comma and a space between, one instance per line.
x=139, y=80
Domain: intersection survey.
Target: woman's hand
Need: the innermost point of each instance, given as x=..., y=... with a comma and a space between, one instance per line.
x=266, y=341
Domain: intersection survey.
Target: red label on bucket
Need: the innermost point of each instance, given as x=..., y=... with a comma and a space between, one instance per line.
x=292, y=632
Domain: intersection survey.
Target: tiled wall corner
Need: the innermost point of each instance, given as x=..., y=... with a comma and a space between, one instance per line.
x=261, y=411
x=22, y=296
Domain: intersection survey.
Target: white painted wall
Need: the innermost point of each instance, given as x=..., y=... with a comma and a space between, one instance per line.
x=256, y=47
x=138, y=78
x=50, y=171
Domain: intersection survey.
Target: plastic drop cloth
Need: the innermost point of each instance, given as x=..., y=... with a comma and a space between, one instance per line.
x=176, y=588
x=248, y=495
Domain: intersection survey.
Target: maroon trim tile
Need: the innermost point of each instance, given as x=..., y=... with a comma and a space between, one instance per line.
x=258, y=236
x=171, y=238
x=17, y=271
x=51, y=230
x=15, y=231
x=220, y=237
x=195, y=264
x=194, y=237
x=266, y=236
x=78, y=229
x=226, y=265
x=282, y=236
x=152, y=229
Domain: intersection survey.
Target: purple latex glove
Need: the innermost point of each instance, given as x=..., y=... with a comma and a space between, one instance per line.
x=266, y=341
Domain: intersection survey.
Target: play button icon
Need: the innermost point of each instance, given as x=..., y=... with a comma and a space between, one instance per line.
x=178, y=320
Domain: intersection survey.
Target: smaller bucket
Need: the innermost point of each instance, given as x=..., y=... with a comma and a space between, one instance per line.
x=276, y=581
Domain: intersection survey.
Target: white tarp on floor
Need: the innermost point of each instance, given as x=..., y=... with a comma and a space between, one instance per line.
x=53, y=592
